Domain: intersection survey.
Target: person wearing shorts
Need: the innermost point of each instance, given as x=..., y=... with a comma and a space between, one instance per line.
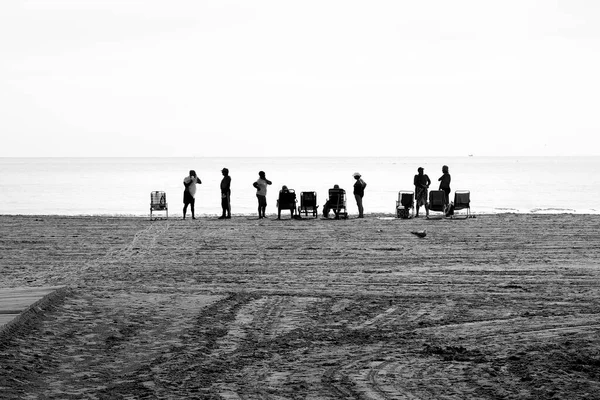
x=359, y=193
x=421, y=183
x=189, y=193
x=261, y=193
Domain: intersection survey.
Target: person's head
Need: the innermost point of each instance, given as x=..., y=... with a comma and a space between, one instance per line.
x=420, y=170
x=445, y=169
x=356, y=175
x=284, y=188
x=192, y=172
x=225, y=171
x=336, y=186
x=261, y=174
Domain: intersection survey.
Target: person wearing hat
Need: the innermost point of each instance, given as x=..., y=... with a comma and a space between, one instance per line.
x=359, y=192
x=422, y=183
x=225, y=194
x=189, y=193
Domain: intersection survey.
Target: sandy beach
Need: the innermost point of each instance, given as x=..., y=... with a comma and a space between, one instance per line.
x=498, y=306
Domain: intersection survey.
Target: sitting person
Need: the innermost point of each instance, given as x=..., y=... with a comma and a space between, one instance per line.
x=333, y=203
x=287, y=201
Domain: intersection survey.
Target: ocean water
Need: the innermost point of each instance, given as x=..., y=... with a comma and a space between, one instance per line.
x=122, y=186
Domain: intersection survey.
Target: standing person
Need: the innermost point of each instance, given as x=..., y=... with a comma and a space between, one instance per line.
x=225, y=194
x=261, y=193
x=445, y=183
x=189, y=193
x=359, y=192
x=422, y=183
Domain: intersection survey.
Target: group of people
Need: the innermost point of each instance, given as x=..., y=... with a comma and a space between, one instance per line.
x=359, y=193
x=421, y=182
x=192, y=180
x=189, y=193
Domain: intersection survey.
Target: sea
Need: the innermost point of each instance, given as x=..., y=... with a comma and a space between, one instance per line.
x=122, y=186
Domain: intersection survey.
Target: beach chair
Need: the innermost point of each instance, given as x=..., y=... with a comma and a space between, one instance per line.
x=308, y=203
x=462, y=201
x=337, y=203
x=437, y=202
x=405, y=205
x=158, y=202
x=286, y=201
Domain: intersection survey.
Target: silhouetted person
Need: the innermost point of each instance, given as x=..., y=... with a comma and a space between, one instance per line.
x=445, y=183
x=422, y=183
x=331, y=203
x=261, y=193
x=359, y=192
x=189, y=193
x=225, y=194
x=286, y=201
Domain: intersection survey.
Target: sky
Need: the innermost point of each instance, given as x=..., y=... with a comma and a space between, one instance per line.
x=193, y=78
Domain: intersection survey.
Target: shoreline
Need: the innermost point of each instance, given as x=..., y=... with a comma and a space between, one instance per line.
x=351, y=215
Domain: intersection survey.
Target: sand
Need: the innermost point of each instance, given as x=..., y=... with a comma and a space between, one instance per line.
x=498, y=306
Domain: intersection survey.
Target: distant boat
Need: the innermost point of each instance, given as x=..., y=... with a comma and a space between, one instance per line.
x=470, y=155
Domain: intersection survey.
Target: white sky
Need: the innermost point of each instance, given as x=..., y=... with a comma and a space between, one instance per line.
x=268, y=78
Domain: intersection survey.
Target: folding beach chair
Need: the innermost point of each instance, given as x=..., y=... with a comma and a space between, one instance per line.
x=405, y=205
x=337, y=203
x=286, y=201
x=462, y=201
x=308, y=203
x=437, y=201
x=158, y=202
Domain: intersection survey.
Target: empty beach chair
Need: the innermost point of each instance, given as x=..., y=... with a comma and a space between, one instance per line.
x=308, y=203
x=405, y=205
x=462, y=201
x=437, y=202
x=158, y=202
x=286, y=201
x=336, y=203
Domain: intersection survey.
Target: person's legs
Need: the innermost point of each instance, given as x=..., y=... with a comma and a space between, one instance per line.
x=228, y=205
x=421, y=201
x=192, y=203
x=359, y=204
x=447, y=192
x=187, y=200
x=417, y=202
x=262, y=205
x=223, y=206
x=447, y=200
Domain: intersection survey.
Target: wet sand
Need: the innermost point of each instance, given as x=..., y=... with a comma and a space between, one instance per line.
x=499, y=306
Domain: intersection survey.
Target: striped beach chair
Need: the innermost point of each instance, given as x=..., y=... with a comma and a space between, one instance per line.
x=158, y=202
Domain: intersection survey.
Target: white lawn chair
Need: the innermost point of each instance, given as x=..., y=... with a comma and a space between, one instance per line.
x=158, y=202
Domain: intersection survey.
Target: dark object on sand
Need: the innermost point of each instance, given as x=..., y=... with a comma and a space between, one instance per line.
x=420, y=234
